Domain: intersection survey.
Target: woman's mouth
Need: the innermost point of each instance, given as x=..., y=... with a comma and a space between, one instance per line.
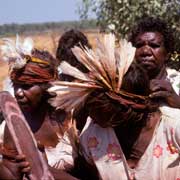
x=147, y=61
x=22, y=103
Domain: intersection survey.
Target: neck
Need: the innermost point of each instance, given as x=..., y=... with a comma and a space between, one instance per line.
x=161, y=74
x=35, y=118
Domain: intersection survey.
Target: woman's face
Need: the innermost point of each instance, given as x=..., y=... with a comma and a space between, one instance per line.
x=151, y=52
x=28, y=97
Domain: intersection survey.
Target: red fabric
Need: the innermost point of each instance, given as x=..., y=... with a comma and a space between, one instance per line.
x=33, y=73
x=142, y=104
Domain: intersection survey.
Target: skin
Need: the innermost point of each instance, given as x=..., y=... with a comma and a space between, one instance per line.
x=13, y=168
x=29, y=99
x=151, y=52
x=152, y=55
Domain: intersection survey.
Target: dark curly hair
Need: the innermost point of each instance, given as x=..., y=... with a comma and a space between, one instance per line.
x=67, y=41
x=152, y=24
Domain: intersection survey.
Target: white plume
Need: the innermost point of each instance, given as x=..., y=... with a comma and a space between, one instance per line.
x=13, y=51
x=107, y=65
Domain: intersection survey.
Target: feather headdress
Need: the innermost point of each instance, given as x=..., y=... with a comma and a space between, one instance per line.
x=16, y=52
x=107, y=65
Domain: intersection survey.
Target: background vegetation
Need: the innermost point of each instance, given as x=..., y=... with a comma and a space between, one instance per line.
x=120, y=15
x=13, y=29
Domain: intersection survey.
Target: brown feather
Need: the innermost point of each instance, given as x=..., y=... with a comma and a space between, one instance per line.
x=107, y=65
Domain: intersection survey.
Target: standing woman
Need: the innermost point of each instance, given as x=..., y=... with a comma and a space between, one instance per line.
x=126, y=135
x=154, y=42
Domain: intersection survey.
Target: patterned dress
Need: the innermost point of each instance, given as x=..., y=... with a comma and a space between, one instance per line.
x=160, y=161
x=174, y=77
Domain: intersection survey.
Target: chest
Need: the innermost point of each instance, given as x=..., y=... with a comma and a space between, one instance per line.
x=45, y=134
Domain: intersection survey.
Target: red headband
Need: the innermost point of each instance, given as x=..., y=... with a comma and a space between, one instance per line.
x=34, y=73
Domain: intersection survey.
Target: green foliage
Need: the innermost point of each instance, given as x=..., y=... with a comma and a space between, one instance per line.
x=120, y=15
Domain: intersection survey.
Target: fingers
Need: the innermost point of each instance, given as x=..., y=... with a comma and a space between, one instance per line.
x=155, y=87
x=160, y=85
x=23, y=165
x=20, y=157
x=158, y=94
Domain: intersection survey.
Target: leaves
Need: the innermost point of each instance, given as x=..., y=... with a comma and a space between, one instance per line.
x=123, y=14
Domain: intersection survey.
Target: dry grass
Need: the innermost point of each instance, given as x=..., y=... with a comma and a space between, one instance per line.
x=46, y=41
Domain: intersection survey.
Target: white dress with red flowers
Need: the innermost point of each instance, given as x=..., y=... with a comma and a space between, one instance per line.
x=161, y=160
x=174, y=78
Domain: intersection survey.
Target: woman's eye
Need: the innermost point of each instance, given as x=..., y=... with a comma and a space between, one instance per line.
x=138, y=45
x=154, y=45
x=26, y=87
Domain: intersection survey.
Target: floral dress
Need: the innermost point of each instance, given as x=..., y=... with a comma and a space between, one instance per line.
x=160, y=161
x=174, y=78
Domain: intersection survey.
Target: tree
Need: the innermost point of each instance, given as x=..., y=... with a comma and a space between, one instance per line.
x=120, y=15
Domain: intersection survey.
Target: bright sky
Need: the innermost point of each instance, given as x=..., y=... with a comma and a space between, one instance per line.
x=30, y=11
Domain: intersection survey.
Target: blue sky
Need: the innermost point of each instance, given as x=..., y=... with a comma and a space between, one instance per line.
x=30, y=11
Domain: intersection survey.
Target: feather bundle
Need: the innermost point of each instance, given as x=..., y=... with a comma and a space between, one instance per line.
x=14, y=52
x=107, y=65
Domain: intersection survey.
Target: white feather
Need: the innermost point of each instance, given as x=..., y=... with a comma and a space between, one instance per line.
x=126, y=56
x=107, y=66
x=13, y=51
x=28, y=45
x=72, y=71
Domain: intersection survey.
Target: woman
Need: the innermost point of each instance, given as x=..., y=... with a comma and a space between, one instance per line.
x=31, y=72
x=154, y=43
x=126, y=135
x=67, y=41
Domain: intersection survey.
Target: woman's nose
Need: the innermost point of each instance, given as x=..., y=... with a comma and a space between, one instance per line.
x=147, y=50
x=19, y=93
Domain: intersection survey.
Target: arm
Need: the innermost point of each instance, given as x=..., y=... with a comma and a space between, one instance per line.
x=84, y=170
x=15, y=169
x=61, y=175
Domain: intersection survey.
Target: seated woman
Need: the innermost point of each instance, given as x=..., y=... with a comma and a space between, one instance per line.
x=127, y=135
x=30, y=72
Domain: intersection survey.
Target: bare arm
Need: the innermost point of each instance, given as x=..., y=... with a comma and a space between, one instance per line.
x=61, y=175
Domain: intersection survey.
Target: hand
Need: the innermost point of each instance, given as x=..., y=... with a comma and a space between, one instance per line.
x=14, y=169
x=163, y=89
x=23, y=165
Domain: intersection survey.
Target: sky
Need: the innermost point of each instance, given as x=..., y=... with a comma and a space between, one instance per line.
x=37, y=11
